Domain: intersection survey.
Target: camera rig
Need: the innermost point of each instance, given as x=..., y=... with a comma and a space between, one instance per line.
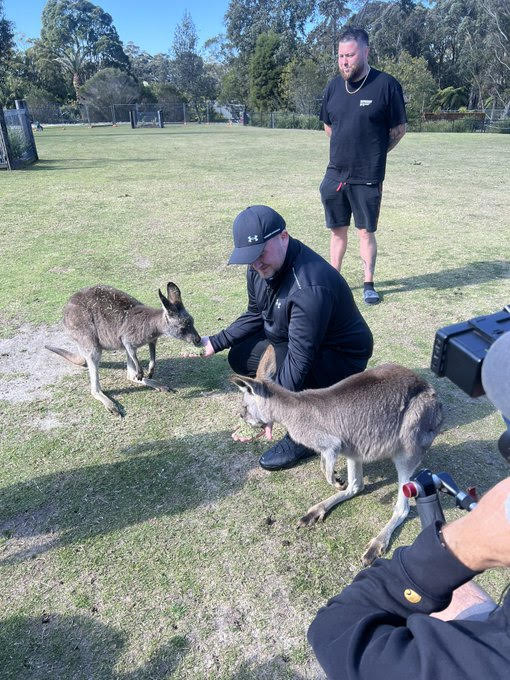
x=458, y=354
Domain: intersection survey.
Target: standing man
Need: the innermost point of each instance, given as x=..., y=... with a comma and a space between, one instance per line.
x=299, y=304
x=364, y=116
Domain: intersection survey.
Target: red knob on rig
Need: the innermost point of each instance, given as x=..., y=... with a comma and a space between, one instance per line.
x=410, y=490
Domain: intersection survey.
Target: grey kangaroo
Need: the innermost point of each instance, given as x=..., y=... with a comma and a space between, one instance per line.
x=384, y=412
x=102, y=317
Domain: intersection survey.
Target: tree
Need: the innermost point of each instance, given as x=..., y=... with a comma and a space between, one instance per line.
x=6, y=50
x=303, y=83
x=245, y=20
x=188, y=72
x=324, y=36
x=145, y=67
x=266, y=73
x=81, y=38
x=107, y=87
x=417, y=82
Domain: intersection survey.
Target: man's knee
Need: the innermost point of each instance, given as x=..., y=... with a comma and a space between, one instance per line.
x=238, y=361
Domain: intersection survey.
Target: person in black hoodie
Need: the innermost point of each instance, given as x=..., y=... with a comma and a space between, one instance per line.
x=379, y=626
x=298, y=303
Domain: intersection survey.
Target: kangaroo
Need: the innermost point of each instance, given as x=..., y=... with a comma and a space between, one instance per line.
x=102, y=317
x=384, y=412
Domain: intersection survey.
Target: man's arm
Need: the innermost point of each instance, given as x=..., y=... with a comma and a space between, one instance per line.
x=248, y=323
x=396, y=134
x=378, y=626
x=327, y=129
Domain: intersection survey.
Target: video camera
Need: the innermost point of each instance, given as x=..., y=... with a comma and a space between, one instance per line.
x=458, y=354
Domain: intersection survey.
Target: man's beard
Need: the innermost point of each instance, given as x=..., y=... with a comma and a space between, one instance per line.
x=353, y=75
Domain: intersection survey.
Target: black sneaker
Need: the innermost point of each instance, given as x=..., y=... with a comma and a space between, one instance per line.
x=284, y=454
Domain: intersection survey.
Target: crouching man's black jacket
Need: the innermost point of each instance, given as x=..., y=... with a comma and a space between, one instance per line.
x=308, y=304
x=379, y=626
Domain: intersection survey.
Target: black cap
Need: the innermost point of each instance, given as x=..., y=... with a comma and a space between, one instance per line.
x=252, y=230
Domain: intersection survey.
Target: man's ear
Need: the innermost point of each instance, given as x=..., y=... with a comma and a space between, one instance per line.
x=267, y=365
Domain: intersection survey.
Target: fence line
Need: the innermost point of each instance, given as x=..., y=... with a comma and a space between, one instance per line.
x=17, y=143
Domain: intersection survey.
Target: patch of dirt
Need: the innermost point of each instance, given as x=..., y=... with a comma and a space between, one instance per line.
x=49, y=422
x=28, y=367
x=142, y=262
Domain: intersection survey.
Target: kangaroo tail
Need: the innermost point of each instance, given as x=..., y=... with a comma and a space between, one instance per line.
x=76, y=359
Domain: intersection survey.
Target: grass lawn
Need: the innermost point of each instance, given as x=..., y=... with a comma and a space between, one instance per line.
x=153, y=546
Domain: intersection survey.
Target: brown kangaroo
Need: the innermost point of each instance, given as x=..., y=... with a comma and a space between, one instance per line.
x=384, y=412
x=102, y=317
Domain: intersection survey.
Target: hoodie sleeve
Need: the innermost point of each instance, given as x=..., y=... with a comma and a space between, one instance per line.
x=247, y=324
x=379, y=627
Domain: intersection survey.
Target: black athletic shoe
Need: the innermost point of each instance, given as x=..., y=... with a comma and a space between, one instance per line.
x=284, y=454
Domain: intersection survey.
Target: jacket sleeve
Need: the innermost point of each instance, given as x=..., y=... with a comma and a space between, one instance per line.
x=247, y=324
x=379, y=627
x=310, y=312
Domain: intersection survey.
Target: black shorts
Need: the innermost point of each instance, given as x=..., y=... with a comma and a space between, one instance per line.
x=342, y=199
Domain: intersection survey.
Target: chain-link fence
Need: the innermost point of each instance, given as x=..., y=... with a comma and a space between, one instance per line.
x=17, y=143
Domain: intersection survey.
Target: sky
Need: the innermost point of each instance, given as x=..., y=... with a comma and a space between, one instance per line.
x=150, y=24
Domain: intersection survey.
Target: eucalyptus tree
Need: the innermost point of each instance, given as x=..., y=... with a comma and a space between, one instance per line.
x=188, y=71
x=81, y=38
x=6, y=50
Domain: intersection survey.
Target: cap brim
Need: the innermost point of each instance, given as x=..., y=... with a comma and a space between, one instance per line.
x=246, y=255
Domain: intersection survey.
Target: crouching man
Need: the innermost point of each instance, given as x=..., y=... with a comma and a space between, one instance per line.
x=298, y=303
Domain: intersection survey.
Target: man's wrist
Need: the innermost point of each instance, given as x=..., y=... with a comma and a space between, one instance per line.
x=462, y=545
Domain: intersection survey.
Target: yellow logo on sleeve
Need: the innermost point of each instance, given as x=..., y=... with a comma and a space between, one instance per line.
x=411, y=596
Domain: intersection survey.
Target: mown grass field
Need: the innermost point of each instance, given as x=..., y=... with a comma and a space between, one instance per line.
x=153, y=546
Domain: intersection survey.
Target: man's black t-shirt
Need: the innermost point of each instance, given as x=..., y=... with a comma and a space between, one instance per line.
x=360, y=125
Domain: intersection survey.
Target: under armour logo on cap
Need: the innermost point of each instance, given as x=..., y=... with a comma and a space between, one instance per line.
x=252, y=228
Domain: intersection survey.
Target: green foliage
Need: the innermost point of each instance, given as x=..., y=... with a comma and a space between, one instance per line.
x=188, y=72
x=109, y=86
x=416, y=80
x=6, y=51
x=16, y=141
x=266, y=72
x=450, y=98
x=81, y=38
x=302, y=85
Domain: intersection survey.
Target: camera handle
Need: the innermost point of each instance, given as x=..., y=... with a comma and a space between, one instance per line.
x=424, y=487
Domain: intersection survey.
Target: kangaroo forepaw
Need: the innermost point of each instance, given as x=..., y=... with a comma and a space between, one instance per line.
x=150, y=372
x=374, y=550
x=139, y=373
x=312, y=516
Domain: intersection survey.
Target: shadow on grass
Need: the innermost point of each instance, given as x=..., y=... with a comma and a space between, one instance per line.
x=471, y=274
x=275, y=669
x=201, y=375
x=155, y=479
x=63, y=647
x=80, y=163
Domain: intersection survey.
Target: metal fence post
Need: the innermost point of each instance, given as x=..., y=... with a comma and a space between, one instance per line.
x=5, y=143
x=24, y=116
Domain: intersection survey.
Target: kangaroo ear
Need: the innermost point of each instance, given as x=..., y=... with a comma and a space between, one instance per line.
x=168, y=306
x=174, y=294
x=244, y=384
x=267, y=365
x=251, y=386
